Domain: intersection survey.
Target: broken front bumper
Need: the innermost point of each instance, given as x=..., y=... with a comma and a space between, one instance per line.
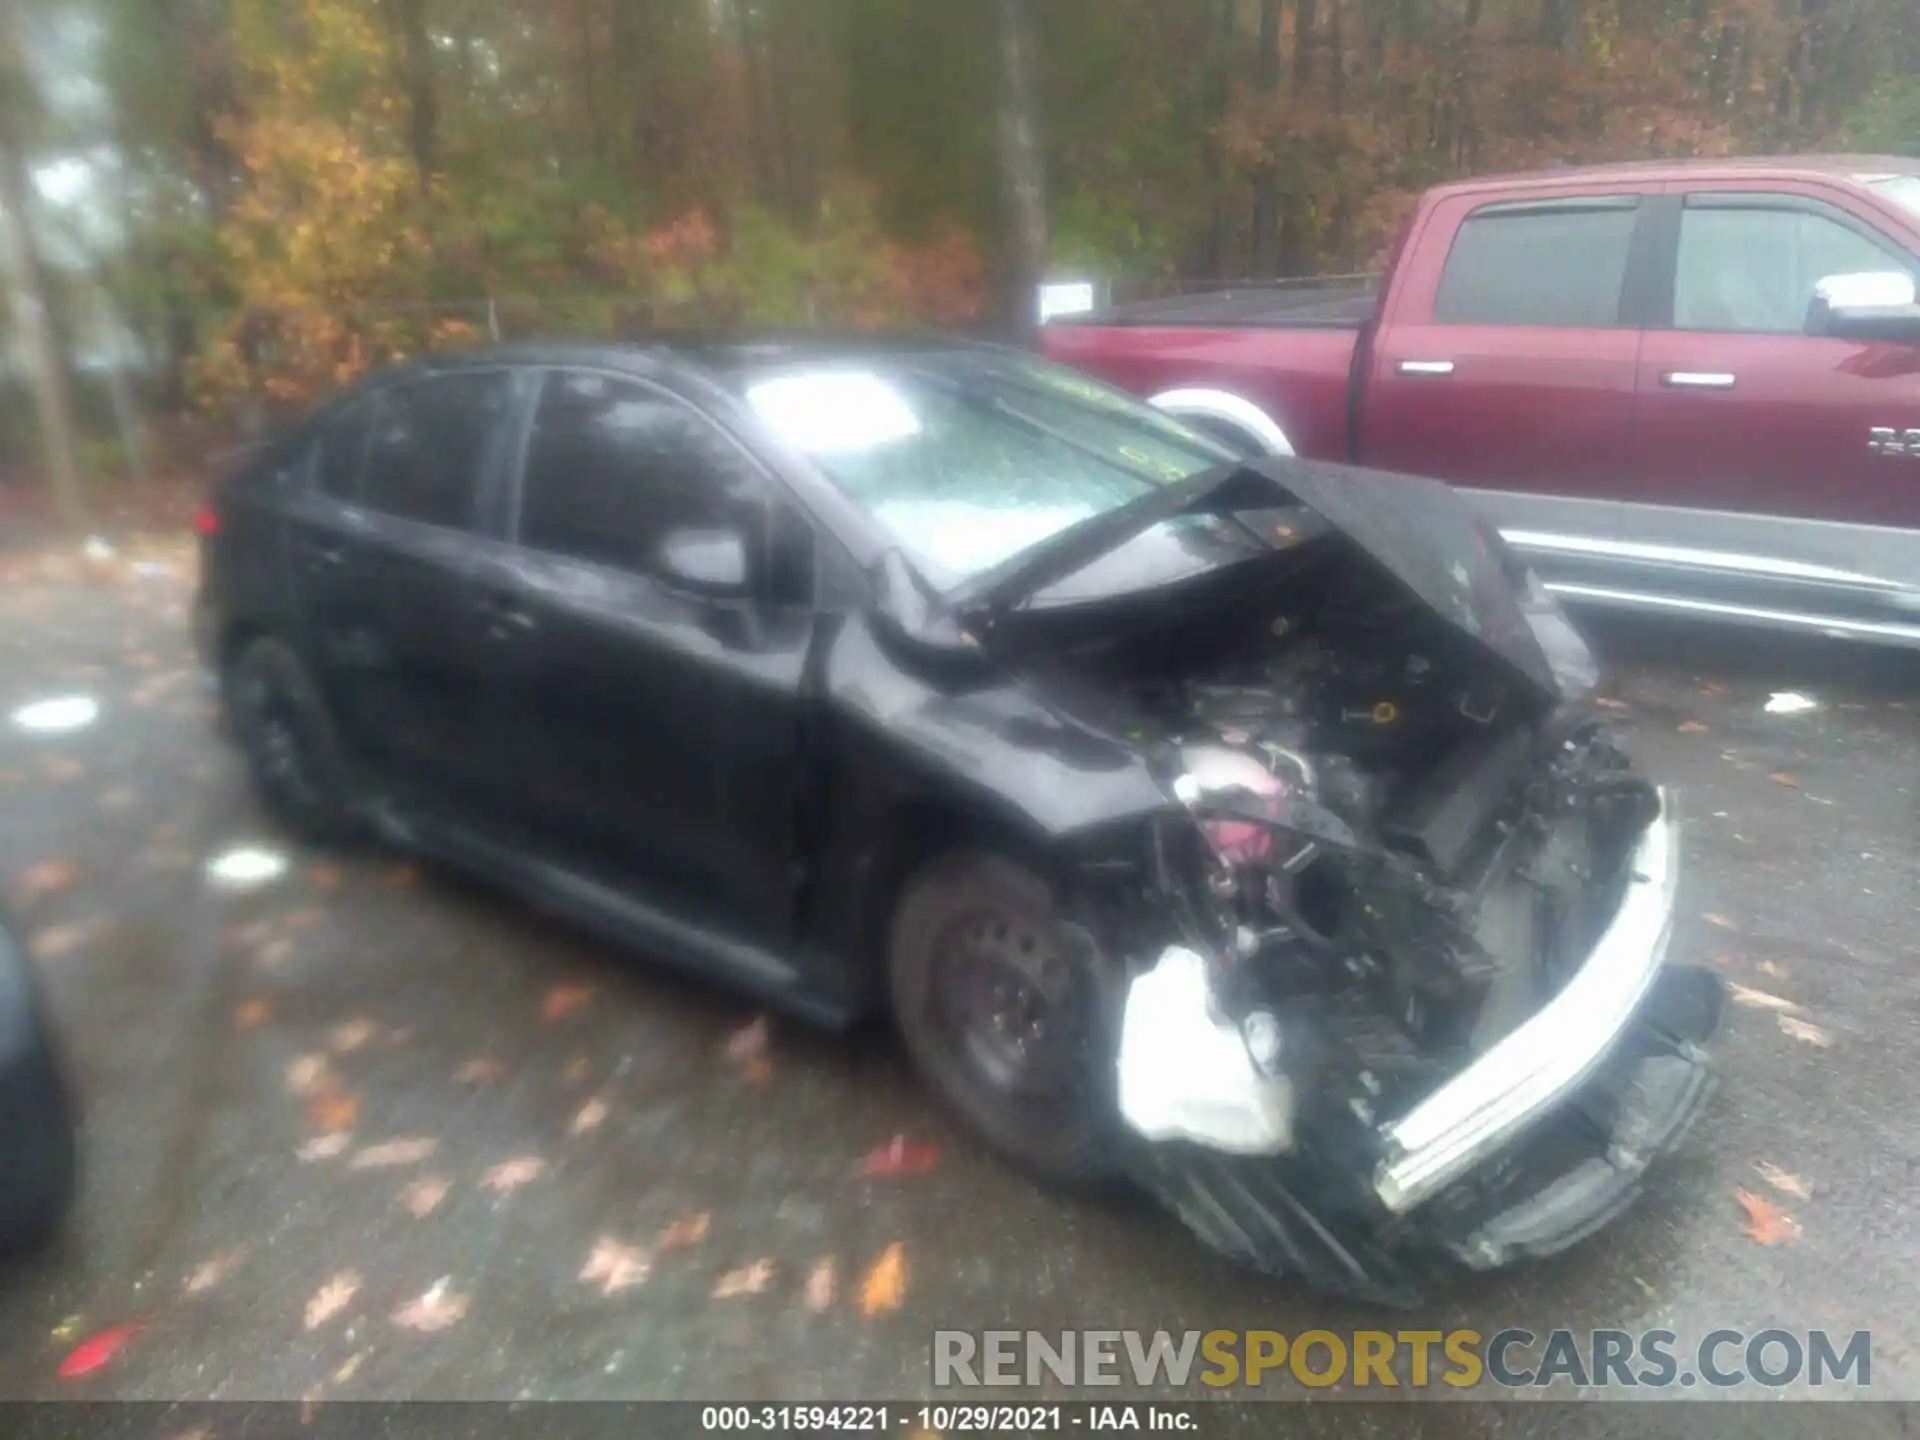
x=1535, y=1145
x=1547, y=1056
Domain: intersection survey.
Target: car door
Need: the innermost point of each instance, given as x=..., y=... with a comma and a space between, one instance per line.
x=1755, y=440
x=386, y=555
x=658, y=692
x=1505, y=363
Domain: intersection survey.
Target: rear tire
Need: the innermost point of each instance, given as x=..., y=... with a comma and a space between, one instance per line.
x=293, y=750
x=1004, y=1015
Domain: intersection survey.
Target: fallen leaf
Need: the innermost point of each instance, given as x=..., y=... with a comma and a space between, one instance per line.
x=350, y=1367
x=1784, y=1181
x=901, y=1156
x=1714, y=688
x=576, y=1070
x=423, y=1196
x=563, y=1000
x=331, y=1298
x=1767, y=1223
x=399, y=877
x=1692, y=727
x=302, y=919
x=96, y=1351
x=324, y=878
x=510, y=1175
x=49, y=877
x=324, y=1147
x=58, y=940
x=350, y=1035
x=1722, y=921
x=822, y=1282
x=747, y=1280
x=211, y=1272
x=1803, y=1030
x=687, y=1230
x=481, y=1070
x=1780, y=777
x=309, y=1075
x=1608, y=703
x=614, y=1266
x=757, y=1071
x=274, y=953
x=590, y=1117
x=332, y=1112
x=1757, y=999
x=1773, y=969
x=252, y=1014
x=886, y=1283
x=748, y=1041
x=391, y=1154
x=435, y=1310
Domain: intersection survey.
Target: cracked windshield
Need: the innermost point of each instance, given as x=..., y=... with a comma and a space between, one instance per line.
x=900, y=716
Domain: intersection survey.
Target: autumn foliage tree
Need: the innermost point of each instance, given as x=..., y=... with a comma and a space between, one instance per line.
x=310, y=187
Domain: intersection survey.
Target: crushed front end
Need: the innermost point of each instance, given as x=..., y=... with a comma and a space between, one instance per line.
x=1398, y=994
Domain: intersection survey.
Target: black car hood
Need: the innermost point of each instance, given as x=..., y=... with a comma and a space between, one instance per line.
x=1420, y=531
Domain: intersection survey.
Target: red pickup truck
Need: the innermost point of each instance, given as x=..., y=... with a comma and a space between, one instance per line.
x=1682, y=386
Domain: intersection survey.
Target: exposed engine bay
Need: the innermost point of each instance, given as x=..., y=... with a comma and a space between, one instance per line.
x=1394, y=849
x=1395, y=979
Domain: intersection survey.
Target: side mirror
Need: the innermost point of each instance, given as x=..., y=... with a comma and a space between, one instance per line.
x=709, y=562
x=1875, y=305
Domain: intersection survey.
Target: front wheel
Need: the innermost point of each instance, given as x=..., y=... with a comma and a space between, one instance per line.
x=1002, y=1012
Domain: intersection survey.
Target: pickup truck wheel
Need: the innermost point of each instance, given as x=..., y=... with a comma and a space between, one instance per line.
x=292, y=748
x=1002, y=1015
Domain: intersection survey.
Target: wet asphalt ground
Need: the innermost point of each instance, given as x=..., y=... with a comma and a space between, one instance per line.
x=373, y=1132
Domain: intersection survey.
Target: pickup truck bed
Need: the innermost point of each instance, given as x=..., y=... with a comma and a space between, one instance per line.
x=1343, y=303
x=1637, y=371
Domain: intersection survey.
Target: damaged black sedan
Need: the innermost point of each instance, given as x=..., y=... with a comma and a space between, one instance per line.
x=1234, y=826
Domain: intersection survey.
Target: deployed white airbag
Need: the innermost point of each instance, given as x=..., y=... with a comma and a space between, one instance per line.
x=1186, y=1076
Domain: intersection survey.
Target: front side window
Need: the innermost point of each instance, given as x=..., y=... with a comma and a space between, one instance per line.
x=1550, y=266
x=1754, y=271
x=1902, y=190
x=614, y=467
x=429, y=443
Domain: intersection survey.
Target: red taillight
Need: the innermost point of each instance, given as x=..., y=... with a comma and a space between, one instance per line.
x=206, y=521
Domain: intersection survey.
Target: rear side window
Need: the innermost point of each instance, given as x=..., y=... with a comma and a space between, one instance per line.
x=342, y=446
x=428, y=445
x=614, y=466
x=1537, y=267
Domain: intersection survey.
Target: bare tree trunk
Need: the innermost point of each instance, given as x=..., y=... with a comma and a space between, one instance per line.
x=1022, y=165
x=416, y=74
x=46, y=370
x=1304, y=24
x=1218, y=94
x=1266, y=184
x=589, y=86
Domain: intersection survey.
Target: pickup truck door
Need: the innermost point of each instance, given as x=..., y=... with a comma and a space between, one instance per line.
x=1759, y=444
x=1505, y=360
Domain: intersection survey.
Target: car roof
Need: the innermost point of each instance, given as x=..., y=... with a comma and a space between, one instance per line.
x=1637, y=172
x=726, y=356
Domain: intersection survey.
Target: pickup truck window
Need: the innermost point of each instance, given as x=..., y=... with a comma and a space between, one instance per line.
x=1553, y=265
x=1753, y=271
